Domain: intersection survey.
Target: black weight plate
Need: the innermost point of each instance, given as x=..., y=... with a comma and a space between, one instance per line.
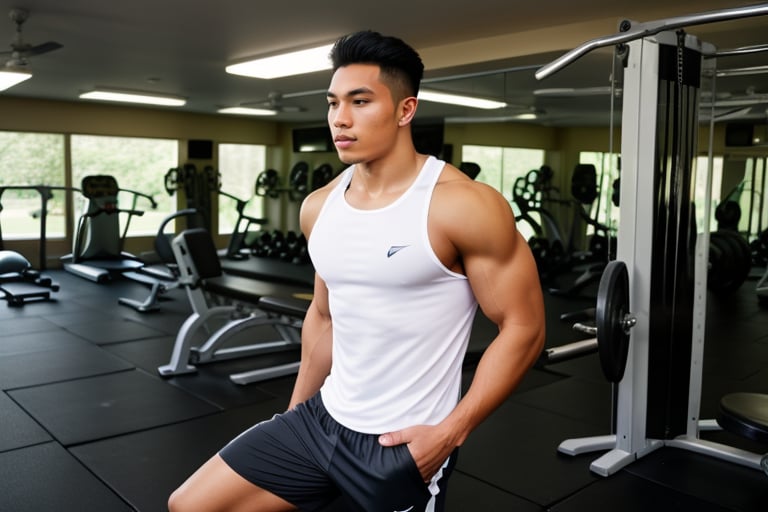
x=298, y=180
x=171, y=181
x=266, y=183
x=743, y=253
x=735, y=260
x=322, y=176
x=717, y=278
x=612, y=307
x=519, y=188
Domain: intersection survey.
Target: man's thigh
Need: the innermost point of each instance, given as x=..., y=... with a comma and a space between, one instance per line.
x=287, y=456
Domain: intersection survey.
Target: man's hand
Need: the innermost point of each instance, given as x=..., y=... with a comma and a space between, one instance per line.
x=429, y=445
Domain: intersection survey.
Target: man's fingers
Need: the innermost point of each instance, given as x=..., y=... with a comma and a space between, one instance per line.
x=392, y=439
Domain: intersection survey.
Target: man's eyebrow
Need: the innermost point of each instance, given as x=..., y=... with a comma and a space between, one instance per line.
x=353, y=92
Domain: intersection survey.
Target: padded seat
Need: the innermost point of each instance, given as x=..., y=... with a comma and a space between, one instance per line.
x=745, y=414
x=250, y=303
x=285, y=306
x=245, y=289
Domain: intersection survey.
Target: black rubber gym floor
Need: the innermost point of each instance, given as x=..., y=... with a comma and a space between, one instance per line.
x=86, y=424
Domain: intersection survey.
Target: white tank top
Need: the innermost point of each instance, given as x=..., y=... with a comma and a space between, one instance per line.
x=401, y=319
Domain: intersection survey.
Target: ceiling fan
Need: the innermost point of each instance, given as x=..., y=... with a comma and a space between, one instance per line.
x=274, y=102
x=21, y=50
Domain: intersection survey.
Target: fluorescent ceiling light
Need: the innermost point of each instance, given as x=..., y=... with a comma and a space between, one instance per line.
x=10, y=76
x=133, y=97
x=246, y=111
x=492, y=119
x=560, y=92
x=455, y=99
x=757, y=99
x=287, y=64
x=755, y=70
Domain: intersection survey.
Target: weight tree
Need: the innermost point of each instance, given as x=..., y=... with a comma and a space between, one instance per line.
x=659, y=377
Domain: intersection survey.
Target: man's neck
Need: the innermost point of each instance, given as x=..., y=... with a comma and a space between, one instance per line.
x=377, y=183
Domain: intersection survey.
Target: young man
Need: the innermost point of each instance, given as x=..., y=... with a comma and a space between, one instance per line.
x=405, y=247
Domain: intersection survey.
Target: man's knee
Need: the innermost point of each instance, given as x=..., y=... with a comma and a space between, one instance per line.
x=177, y=501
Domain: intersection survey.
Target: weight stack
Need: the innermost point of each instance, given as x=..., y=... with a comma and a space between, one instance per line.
x=674, y=240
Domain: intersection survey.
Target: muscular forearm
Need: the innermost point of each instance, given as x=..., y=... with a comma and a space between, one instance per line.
x=498, y=373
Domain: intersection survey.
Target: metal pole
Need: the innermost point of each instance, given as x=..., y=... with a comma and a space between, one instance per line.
x=648, y=29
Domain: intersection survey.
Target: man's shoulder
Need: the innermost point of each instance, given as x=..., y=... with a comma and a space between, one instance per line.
x=455, y=186
x=313, y=203
x=462, y=206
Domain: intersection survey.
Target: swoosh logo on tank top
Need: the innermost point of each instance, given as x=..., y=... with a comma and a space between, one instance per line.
x=395, y=249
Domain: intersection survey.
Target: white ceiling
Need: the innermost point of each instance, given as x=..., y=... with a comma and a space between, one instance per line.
x=484, y=47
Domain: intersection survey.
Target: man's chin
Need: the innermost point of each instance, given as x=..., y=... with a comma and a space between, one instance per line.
x=348, y=159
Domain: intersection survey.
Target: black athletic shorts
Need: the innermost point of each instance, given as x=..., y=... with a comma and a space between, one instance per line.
x=308, y=459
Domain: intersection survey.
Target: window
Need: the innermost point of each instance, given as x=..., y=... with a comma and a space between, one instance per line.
x=28, y=159
x=138, y=165
x=500, y=167
x=700, y=192
x=607, y=167
x=754, y=216
x=239, y=166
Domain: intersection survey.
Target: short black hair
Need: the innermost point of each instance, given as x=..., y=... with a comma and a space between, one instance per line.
x=394, y=57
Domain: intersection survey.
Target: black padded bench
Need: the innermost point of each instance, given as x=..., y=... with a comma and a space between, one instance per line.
x=746, y=414
x=286, y=308
x=19, y=283
x=248, y=303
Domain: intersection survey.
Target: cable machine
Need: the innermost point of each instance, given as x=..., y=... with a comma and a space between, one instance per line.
x=650, y=323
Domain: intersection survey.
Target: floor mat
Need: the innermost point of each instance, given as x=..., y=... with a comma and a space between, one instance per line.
x=515, y=449
x=113, y=331
x=19, y=429
x=168, y=454
x=730, y=486
x=627, y=493
x=94, y=408
x=69, y=361
x=46, y=477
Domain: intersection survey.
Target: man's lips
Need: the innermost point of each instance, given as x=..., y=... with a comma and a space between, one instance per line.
x=343, y=141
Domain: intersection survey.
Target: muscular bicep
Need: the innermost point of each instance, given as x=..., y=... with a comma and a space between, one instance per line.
x=499, y=264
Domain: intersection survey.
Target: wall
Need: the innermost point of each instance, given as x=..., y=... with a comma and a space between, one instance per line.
x=20, y=114
x=562, y=145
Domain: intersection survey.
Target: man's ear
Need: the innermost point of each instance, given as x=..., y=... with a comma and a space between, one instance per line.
x=407, y=110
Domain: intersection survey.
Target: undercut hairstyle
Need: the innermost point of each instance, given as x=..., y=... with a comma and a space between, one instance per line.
x=398, y=62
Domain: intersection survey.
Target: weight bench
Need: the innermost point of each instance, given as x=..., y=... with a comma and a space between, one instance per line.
x=248, y=303
x=746, y=414
x=19, y=283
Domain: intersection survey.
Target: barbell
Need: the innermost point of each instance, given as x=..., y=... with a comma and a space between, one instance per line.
x=613, y=321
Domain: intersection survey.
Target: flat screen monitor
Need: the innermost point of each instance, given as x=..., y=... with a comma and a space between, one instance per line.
x=312, y=140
